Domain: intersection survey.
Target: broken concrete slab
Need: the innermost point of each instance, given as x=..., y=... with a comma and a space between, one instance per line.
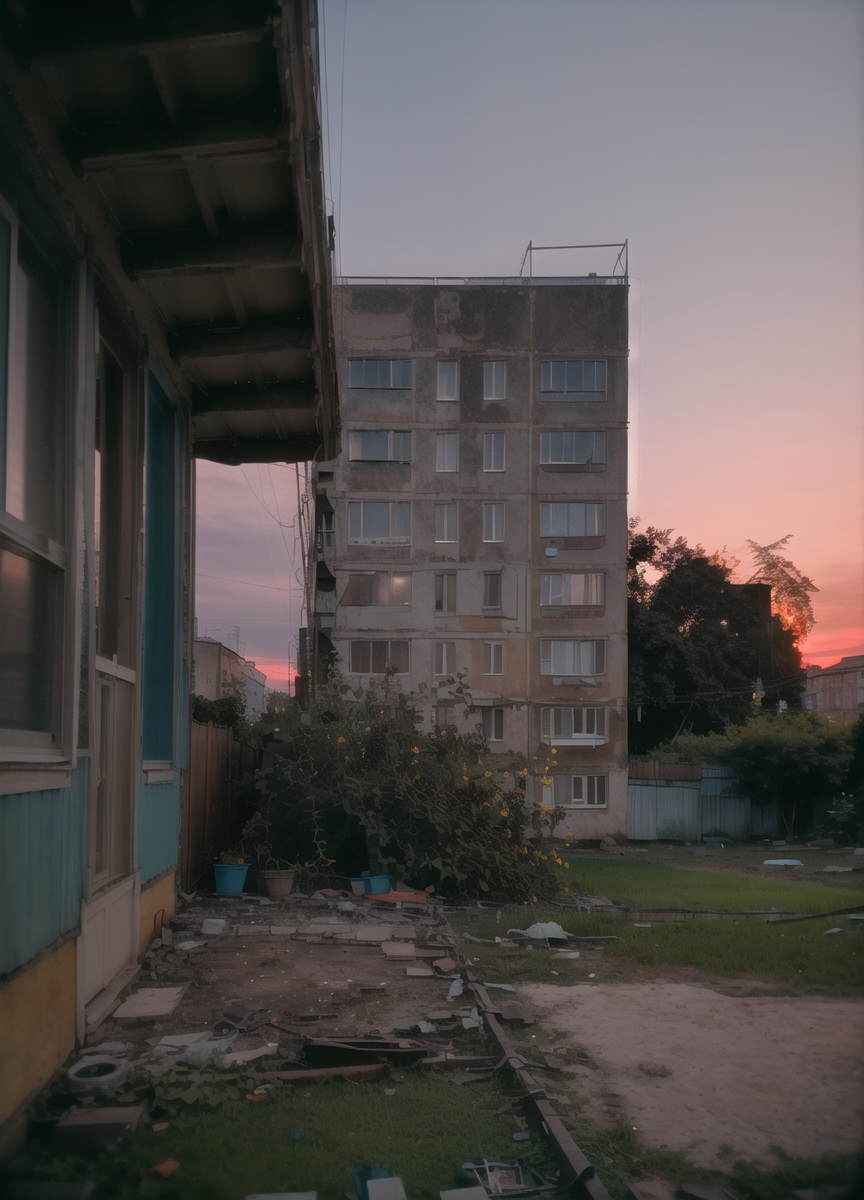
x=178, y=1041
x=399, y=950
x=469, y=1193
x=251, y=930
x=283, y=930
x=375, y=934
x=282, y=1196
x=213, y=925
x=91, y=1128
x=447, y=965
x=653, y=1189
x=242, y=1056
x=708, y=1191
x=386, y=1189
x=420, y=972
x=150, y=1002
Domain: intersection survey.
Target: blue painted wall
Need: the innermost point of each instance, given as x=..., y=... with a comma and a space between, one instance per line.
x=42, y=877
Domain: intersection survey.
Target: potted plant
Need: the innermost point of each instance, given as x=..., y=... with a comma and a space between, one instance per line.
x=230, y=872
x=274, y=872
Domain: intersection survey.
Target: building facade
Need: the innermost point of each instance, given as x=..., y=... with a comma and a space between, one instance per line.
x=164, y=295
x=473, y=531
x=214, y=669
x=836, y=692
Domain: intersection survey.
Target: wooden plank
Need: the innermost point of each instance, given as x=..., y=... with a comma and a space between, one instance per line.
x=240, y=250
x=148, y=146
x=289, y=332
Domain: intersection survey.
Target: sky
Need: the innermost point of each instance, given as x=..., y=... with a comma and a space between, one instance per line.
x=723, y=139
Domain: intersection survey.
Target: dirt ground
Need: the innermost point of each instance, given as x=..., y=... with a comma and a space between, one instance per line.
x=717, y=1076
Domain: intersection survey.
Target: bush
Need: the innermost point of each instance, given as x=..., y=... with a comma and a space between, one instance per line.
x=359, y=788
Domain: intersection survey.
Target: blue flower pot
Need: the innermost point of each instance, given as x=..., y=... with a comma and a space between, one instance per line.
x=229, y=878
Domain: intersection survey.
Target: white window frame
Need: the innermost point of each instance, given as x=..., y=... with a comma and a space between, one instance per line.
x=442, y=386
x=493, y=521
x=396, y=445
x=495, y=379
x=400, y=385
x=388, y=642
x=588, y=785
x=392, y=539
x=595, y=581
x=492, y=722
x=45, y=756
x=490, y=452
x=487, y=577
x=555, y=720
x=448, y=518
x=582, y=395
x=573, y=516
x=445, y=658
x=493, y=658
x=447, y=450
x=548, y=655
x=448, y=601
x=559, y=446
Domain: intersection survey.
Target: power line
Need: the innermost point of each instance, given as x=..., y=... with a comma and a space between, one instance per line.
x=246, y=583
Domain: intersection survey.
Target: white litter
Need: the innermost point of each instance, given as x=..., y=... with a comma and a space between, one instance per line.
x=782, y=862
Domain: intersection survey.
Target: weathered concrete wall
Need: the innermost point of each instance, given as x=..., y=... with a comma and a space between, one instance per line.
x=522, y=325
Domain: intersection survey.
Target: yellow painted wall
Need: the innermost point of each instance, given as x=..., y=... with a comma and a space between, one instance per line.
x=160, y=895
x=37, y=1019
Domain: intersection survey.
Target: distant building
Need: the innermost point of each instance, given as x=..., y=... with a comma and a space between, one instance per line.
x=838, y=691
x=475, y=523
x=215, y=666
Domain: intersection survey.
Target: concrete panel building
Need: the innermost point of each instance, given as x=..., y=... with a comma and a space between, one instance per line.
x=215, y=668
x=474, y=526
x=836, y=692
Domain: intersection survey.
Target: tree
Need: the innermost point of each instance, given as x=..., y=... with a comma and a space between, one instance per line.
x=276, y=701
x=358, y=787
x=790, y=589
x=229, y=709
x=791, y=758
x=698, y=642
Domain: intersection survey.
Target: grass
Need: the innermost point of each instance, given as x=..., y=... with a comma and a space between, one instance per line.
x=422, y=1132
x=801, y=956
x=655, y=885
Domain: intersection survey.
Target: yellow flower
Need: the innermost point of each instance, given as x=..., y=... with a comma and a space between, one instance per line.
x=505, y=812
x=566, y=889
x=487, y=774
x=465, y=777
x=341, y=740
x=567, y=865
x=368, y=728
x=506, y=774
x=414, y=750
x=554, y=751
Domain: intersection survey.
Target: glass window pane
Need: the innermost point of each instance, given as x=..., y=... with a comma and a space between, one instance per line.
x=34, y=419
x=493, y=451
x=545, y=376
x=360, y=657
x=447, y=452
x=403, y=374
x=493, y=522
x=445, y=523
x=376, y=519
x=494, y=374
x=28, y=599
x=355, y=520
x=491, y=589
x=400, y=589
x=447, y=377
x=402, y=518
x=400, y=450
x=398, y=656
x=598, y=453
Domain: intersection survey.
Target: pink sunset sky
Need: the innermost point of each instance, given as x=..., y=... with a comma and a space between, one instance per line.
x=725, y=142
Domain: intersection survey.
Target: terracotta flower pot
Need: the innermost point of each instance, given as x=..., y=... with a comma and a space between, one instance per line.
x=279, y=883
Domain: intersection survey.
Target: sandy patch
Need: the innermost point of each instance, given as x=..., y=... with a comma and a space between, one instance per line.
x=744, y=1073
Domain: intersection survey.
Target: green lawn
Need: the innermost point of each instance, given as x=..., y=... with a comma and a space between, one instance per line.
x=422, y=1132
x=654, y=885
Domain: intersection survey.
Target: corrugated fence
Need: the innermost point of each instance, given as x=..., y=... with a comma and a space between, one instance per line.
x=687, y=810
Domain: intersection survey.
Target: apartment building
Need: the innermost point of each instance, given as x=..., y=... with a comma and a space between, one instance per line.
x=474, y=525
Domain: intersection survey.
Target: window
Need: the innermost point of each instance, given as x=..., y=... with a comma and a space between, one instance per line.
x=577, y=791
x=573, y=520
x=493, y=658
x=444, y=715
x=445, y=593
x=581, y=587
x=377, y=588
x=379, y=521
x=447, y=457
x=569, y=726
x=494, y=380
x=376, y=658
x=445, y=658
x=491, y=589
x=493, y=724
x=571, y=447
x=32, y=487
x=572, y=657
x=325, y=530
x=581, y=380
x=379, y=445
x=448, y=381
x=446, y=523
x=493, y=522
x=380, y=373
x=493, y=451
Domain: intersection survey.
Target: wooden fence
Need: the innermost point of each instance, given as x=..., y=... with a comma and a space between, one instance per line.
x=211, y=818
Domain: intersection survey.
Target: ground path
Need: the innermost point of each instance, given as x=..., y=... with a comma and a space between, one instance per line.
x=743, y=1074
